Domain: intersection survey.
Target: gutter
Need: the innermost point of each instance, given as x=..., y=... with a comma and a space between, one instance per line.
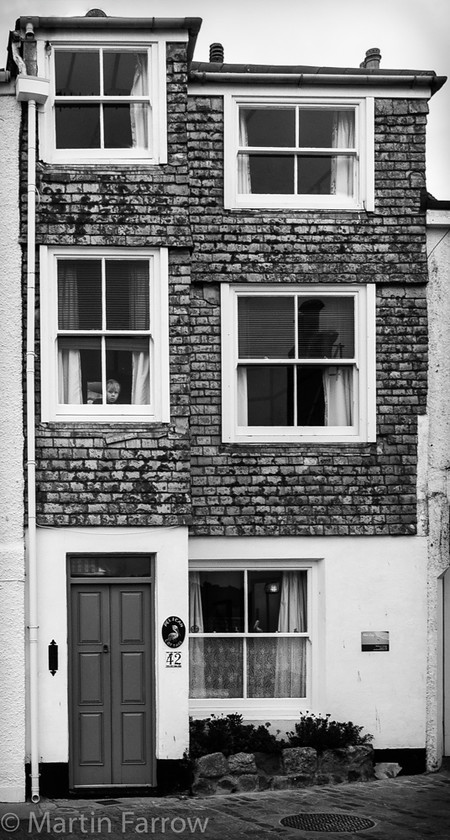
x=34, y=91
x=411, y=80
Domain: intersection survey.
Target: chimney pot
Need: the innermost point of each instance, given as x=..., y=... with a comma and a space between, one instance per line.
x=372, y=59
x=216, y=53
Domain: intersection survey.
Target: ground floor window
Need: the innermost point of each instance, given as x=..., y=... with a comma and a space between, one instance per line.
x=248, y=633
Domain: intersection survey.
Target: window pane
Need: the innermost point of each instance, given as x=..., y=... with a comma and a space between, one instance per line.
x=264, y=593
x=77, y=126
x=325, y=396
x=268, y=394
x=79, y=295
x=326, y=327
x=216, y=667
x=266, y=327
x=314, y=175
x=326, y=129
x=126, y=126
x=77, y=73
x=125, y=74
x=79, y=370
x=325, y=175
x=128, y=365
x=267, y=127
x=276, y=667
x=127, y=294
x=220, y=607
x=268, y=174
x=110, y=565
x=277, y=601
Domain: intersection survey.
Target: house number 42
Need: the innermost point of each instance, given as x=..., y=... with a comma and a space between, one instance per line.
x=173, y=659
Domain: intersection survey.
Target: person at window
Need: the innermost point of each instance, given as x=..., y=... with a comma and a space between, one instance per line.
x=112, y=392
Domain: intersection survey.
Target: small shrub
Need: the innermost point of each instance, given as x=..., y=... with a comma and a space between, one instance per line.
x=325, y=734
x=228, y=735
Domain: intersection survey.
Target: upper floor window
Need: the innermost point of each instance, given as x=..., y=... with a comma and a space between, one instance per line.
x=104, y=335
x=107, y=104
x=298, y=363
x=308, y=154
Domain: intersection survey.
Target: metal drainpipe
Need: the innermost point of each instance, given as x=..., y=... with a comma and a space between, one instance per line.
x=31, y=451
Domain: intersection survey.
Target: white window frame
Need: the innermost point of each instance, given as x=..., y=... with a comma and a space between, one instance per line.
x=277, y=708
x=363, y=197
x=157, y=134
x=158, y=410
x=364, y=396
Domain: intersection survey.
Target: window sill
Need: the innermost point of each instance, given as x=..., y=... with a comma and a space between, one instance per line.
x=285, y=708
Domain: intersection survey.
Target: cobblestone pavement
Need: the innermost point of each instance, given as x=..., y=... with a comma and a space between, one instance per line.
x=405, y=808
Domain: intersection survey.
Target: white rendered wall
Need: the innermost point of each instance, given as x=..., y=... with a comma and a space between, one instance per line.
x=362, y=584
x=438, y=487
x=12, y=622
x=170, y=547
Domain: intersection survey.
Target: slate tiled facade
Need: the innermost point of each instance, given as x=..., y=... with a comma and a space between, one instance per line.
x=341, y=514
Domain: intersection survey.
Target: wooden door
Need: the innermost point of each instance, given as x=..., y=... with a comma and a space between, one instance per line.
x=111, y=691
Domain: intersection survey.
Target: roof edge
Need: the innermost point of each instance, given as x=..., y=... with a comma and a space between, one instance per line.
x=208, y=72
x=155, y=24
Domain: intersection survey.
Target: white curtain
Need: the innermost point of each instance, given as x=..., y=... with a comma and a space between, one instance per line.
x=195, y=603
x=242, y=397
x=138, y=110
x=69, y=361
x=196, y=645
x=342, y=165
x=337, y=386
x=290, y=666
x=140, y=384
x=243, y=163
x=292, y=614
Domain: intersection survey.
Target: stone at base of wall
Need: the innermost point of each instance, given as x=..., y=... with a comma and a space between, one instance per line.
x=296, y=767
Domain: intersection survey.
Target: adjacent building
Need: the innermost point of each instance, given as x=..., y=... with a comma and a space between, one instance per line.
x=225, y=352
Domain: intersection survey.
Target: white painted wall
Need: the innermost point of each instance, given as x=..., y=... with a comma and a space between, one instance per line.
x=363, y=583
x=170, y=547
x=12, y=623
x=438, y=487
x=373, y=583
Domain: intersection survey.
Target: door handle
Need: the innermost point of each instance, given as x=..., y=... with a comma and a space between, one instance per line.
x=105, y=649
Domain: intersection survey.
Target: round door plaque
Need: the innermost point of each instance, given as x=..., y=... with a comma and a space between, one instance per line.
x=173, y=631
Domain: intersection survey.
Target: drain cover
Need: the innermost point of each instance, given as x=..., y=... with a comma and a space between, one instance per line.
x=327, y=822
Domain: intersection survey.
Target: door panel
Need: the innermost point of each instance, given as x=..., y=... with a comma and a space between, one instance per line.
x=133, y=678
x=92, y=742
x=91, y=678
x=112, y=739
x=133, y=742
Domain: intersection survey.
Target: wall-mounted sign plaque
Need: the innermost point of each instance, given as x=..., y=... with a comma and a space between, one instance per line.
x=375, y=640
x=173, y=631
